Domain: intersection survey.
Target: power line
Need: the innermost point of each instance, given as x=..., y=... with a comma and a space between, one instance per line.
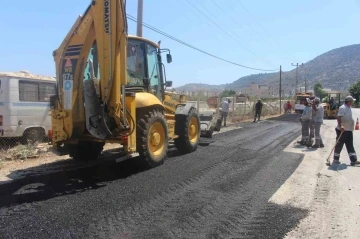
x=193, y=47
x=237, y=23
x=221, y=29
x=182, y=2
x=242, y=5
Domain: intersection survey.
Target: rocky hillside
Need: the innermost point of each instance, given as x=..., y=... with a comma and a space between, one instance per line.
x=336, y=69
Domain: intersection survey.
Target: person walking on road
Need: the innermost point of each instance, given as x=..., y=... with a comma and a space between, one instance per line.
x=318, y=110
x=258, y=108
x=305, y=120
x=225, y=110
x=344, y=132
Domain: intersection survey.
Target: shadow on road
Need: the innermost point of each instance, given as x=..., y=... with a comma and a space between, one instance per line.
x=43, y=187
x=337, y=167
x=67, y=177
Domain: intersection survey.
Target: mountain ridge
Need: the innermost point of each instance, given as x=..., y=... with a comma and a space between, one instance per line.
x=336, y=69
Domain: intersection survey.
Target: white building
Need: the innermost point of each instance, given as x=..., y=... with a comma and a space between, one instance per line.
x=255, y=90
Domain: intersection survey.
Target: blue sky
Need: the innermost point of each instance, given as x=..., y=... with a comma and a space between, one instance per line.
x=295, y=31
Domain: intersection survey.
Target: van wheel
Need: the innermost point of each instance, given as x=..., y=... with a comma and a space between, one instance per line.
x=85, y=151
x=33, y=135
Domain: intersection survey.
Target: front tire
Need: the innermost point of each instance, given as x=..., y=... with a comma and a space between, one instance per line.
x=187, y=127
x=152, y=138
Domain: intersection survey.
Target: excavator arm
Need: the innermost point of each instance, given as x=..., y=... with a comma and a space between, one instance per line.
x=91, y=72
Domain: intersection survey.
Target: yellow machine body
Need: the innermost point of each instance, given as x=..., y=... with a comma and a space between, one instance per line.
x=111, y=88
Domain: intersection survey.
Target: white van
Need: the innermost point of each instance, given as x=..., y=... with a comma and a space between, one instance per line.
x=25, y=105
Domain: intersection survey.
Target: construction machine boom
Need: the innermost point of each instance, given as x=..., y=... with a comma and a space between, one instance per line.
x=110, y=89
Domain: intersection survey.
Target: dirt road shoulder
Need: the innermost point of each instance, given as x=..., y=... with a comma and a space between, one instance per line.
x=324, y=191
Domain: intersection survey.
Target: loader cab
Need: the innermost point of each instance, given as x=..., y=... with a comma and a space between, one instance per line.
x=145, y=68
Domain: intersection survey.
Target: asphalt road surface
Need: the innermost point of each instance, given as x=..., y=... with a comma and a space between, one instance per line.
x=219, y=191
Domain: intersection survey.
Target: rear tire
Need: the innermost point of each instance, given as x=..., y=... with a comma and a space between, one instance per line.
x=86, y=151
x=187, y=127
x=152, y=138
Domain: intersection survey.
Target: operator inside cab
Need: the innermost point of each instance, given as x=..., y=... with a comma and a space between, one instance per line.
x=142, y=62
x=135, y=65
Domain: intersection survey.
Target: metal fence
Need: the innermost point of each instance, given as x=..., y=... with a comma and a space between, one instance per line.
x=245, y=110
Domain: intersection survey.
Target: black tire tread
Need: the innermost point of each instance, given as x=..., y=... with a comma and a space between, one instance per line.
x=34, y=135
x=182, y=143
x=144, y=122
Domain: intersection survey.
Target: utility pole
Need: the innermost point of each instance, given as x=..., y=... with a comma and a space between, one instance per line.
x=305, y=85
x=139, y=18
x=297, y=76
x=280, y=91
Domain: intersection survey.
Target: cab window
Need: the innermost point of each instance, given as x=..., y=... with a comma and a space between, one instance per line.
x=93, y=56
x=153, y=70
x=135, y=63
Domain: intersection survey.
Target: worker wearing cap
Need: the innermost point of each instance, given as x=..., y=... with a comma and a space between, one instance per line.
x=345, y=128
x=258, y=108
x=225, y=110
x=318, y=110
x=305, y=122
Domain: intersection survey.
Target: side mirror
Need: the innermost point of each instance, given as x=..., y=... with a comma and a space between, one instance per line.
x=168, y=58
x=168, y=83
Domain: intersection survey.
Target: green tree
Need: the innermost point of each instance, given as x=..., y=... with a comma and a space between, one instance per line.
x=227, y=93
x=355, y=91
x=319, y=91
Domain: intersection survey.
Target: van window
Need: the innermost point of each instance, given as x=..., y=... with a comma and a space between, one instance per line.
x=45, y=91
x=35, y=91
x=28, y=91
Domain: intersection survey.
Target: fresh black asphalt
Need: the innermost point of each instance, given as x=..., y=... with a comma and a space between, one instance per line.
x=219, y=191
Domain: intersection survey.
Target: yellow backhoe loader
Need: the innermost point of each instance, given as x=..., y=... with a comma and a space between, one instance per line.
x=331, y=105
x=111, y=88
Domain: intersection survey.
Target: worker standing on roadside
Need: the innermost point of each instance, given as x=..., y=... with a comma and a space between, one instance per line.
x=258, y=108
x=318, y=110
x=225, y=110
x=305, y=122
x=312, y=124
x=345, y=128
x=289, y=106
